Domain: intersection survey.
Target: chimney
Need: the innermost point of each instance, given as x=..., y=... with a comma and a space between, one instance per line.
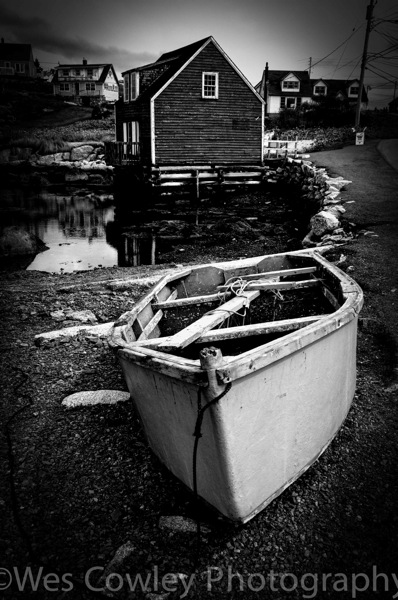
x=84, y=61
x=266, y=72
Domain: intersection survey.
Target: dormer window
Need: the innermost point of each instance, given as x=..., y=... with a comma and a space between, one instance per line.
x=77, y=72
x=65, y=72
x=320, y=90
x=354, y=90
x=291, y=84
x=210, y=85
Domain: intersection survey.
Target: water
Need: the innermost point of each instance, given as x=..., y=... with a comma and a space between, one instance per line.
x=72, y=223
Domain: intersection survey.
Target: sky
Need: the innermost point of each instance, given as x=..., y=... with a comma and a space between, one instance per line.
x=287, y=34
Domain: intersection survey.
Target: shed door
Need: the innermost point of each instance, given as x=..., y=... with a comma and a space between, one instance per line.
x=131, y=135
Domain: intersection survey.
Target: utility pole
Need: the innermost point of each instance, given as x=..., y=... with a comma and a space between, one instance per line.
x=369, y=13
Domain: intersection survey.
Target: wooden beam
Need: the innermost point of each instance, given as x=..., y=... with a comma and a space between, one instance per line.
x=280, y=273
x=277, y=285
x=283, y=326
x=191, y=333
x=174, y=303
x=150, y=327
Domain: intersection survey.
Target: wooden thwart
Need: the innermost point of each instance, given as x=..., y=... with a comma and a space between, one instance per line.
x=174, y=303
x=241, y=331
x=191, y=333
x=277, y=285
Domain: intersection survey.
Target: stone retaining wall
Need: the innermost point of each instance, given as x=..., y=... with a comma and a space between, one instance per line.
x=320, y=194
x=78, y=161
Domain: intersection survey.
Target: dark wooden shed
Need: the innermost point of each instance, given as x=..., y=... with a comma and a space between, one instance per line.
x=193, y=106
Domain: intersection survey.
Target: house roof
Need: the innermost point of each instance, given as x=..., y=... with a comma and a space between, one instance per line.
x=275, y=78
x=172, y=62
x=18, y=52
x=336, y=86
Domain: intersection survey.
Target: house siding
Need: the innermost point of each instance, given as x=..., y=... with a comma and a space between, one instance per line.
x=191, y=129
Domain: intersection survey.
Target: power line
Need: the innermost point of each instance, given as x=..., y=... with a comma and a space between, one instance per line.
x=342, y=44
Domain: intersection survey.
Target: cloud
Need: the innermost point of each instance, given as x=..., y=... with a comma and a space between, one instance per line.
x=41, y=35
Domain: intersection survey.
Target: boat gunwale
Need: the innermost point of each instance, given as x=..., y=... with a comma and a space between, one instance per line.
x=252, y=360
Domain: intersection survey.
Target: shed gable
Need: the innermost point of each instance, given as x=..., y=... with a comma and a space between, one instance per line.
x=221, y=123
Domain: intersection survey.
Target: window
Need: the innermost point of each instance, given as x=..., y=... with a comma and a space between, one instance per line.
x=90, y=72
x=90, y=87
x=290, y=102
x=320, y=90
x=64, y=87
x=210, y=85
x=77, y=72
x=126, y=87
x=290, y=84
x=354, y=90
x=65, y=72
x=19, y=68
x=134, y=86
x=131, y=135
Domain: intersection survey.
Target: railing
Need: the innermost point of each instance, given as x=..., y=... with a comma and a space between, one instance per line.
x=280, y=148
x=121, y=153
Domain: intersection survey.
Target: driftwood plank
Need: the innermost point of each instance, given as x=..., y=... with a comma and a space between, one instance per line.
x=191, y=333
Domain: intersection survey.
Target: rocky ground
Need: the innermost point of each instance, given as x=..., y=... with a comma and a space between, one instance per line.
x=82, y=496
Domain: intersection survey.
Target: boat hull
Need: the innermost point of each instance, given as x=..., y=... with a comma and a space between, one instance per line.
x=286, y=403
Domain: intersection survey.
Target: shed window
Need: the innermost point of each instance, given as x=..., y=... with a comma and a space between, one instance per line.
x=134, y=86
x=210, y=85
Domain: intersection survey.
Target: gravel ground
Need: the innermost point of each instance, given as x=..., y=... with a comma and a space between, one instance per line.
x=77, y=486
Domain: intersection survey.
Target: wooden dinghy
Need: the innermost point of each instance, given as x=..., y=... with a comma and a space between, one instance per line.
x=242, y=372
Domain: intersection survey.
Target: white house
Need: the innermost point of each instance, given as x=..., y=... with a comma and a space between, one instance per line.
x=86, y=84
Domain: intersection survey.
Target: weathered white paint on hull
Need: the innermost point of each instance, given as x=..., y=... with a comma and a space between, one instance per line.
x=261, y=436
x=288, y=399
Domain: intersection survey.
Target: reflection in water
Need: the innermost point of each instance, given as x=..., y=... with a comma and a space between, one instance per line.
x=72, y=226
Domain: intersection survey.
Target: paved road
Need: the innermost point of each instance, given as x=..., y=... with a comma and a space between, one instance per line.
x=371, y=202
x=389, y=151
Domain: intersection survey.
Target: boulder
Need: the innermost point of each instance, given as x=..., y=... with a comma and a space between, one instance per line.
x=81, y=152
x=15, y=241
x=323, y=222
x=91, y=398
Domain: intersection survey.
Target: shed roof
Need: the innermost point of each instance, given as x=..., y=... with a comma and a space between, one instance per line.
x=174, y=61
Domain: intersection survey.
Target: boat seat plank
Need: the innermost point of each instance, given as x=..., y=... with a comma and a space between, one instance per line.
x=279, y=273
x=151, y=327
x=277, y=285
x=191, y=333
x=283, y=326
x=175, y=303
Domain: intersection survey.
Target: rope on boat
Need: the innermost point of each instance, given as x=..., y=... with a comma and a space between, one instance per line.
x=198, y=434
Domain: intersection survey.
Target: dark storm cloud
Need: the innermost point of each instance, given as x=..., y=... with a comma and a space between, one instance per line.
x=43, y=37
